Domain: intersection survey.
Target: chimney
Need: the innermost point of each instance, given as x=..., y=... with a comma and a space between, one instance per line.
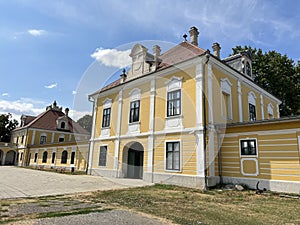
x=156, y=52
x=67, y=112
x=194, y=35
x=216, y=48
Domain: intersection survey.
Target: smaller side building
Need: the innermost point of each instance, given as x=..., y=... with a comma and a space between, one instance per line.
x=51, y=140
x=267, y=152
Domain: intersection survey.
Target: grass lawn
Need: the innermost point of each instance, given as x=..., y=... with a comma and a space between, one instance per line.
x=190, y=206
x=176, y=204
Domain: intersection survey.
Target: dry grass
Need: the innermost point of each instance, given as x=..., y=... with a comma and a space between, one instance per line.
x=177, y=204
x=190, y=206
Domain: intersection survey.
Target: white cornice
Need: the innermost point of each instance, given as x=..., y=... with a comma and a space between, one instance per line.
x=236, y=75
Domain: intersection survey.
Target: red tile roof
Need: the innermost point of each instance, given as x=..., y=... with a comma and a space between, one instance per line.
x=47, y=121
x=180, y=53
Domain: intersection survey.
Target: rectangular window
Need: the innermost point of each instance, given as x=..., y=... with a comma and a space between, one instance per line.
x=72, y=158
x=252, y=112
x=106, y=117
x=248, y=147
x=173, y=155
x=134, y=115
x=35, y=157
x=43, y=139
x=102, y=156
x=53, y=157
x=174, y=103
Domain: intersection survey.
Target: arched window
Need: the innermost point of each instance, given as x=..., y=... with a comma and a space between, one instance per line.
x=45, y=156
x=64, y=157
x=62, y=125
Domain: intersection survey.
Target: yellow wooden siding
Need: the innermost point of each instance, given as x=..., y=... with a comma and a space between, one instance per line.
x=188, y=153
x=278, y=153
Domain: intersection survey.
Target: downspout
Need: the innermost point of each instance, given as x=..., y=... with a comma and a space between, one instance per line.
x=207, y=55
x=91, y=144
x=220, y=159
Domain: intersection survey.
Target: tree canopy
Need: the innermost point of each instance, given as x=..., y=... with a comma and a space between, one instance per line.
x=86, y=122
x=277, y=74
x=7, y=124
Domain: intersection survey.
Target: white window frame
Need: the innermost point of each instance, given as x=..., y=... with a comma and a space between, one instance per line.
x=226, y=87
x=240, y=148
x=100, y=153
x=135, y=95
x=271, y=111
x=43, y=135
x=174, y=122
x=180, y=155
x=252, y=101
x=105, y=131
x=61, y=136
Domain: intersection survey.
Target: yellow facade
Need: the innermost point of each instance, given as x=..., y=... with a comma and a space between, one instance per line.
x=277, y=160
x=196, y=146
x=37, y=140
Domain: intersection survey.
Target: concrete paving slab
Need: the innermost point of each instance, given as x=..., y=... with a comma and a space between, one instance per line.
x=17, y=182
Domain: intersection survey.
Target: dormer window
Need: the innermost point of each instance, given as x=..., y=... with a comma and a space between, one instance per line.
x=63, y=125
x=248, y=69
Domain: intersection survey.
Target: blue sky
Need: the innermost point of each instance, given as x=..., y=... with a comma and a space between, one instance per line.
x=64, y=50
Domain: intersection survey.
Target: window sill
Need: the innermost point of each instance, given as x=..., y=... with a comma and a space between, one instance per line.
x=133, y=123
x=173, y=171
x=174, y=122
x=134, y=128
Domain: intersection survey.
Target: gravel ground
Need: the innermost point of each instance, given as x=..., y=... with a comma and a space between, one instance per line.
x=113, y=217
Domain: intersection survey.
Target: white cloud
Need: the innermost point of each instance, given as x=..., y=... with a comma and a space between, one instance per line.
x=50, y=86
x=21, y=106
x=5, y=94
x=112, y=57
x=74, y=92
x=75, y=115
x=35, y=32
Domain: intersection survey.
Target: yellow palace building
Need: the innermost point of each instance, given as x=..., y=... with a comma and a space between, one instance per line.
x=51, y=140
x=189, y=118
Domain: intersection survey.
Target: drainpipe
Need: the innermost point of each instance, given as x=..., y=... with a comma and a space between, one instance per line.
x=91, y=144
x=219, y=158
x=207, y=55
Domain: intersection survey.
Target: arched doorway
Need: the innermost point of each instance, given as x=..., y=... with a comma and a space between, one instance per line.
x=133, y=160
x=10, y=158
x=1, y=156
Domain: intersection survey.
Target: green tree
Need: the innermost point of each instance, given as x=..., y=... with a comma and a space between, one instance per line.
x=86, y=122
x=7, y=124
x=278, y=75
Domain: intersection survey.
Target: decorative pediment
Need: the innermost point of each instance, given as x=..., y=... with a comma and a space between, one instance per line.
x=135, y=94
x=226, y=86
x=251, y=98
x=107, y=103
x=174, y=83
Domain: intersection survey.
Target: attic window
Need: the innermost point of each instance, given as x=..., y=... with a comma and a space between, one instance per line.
x=248, y=69
x=62, y=125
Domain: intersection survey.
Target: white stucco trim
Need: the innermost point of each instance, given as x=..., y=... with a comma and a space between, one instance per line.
x=118, y=133
x=151, y=127
x=262, y=107
x=240, y=104
x=256, y=167
x=199, y=94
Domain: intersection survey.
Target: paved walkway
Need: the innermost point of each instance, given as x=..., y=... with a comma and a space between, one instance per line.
x=16, y=182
